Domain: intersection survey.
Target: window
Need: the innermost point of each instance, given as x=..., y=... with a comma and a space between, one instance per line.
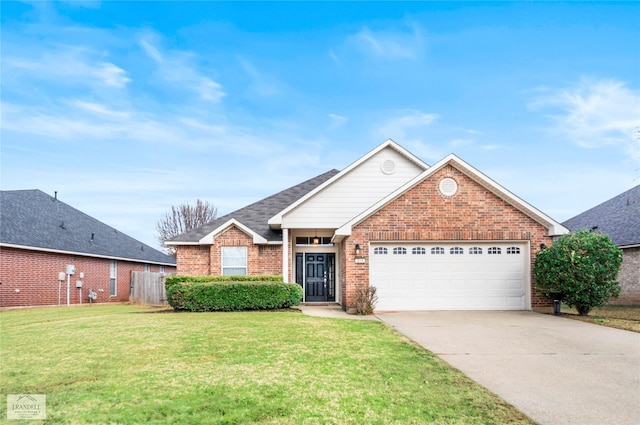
x=161, y=269
x=147, y=268
x=380, y=250
x=494, y=250
x=513, y=250
x=437, y=250
x=399, y=250
x=308, y=241
x=113, y=273
x=234, y=260
x=475, y=250
x=456, y=250
x=418, y=251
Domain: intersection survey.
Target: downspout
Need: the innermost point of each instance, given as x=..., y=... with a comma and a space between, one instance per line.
x=68, y=289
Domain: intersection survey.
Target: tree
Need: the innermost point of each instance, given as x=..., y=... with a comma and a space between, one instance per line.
x=579, y=269
x=183, y=218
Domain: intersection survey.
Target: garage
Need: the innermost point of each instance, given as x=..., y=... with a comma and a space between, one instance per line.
x=479, y=275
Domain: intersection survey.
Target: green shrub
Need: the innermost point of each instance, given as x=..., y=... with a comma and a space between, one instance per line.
x=170, y=280
x=579, y=269
x=224, y=293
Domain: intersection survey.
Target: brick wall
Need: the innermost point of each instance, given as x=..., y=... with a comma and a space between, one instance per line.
x=193, y=260
x=423, y=214
x=629, y=278
x=30, y=278
x=198, y=260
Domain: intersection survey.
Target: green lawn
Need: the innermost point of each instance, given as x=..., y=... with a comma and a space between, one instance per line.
x=614, y=316
x=130, y=364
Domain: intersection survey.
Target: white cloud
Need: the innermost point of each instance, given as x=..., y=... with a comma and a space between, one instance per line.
x=409, y=128
x=337, y=120
x=176, y=67
x=111, y=75
x=78, y=121
x=407, y=44
x=333, y=55
x=491, y=147
x=88, y=121
x=262, y=85
x=595, y=114
x=456, y=143
x=63, y=64
x=99, y=110
x=405, y=124
x=151, y=51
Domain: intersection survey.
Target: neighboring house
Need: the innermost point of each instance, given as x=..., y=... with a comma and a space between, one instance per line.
x=439, y=237
x=619, y=218
x=40, y=236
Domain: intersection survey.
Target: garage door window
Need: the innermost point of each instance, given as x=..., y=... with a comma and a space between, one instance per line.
x=494, y=250
x=456, y=250
x=437, y=250
x=399, y=250
x=380, y=250
x=475, y=250
x=418, y=251
x=513, y=250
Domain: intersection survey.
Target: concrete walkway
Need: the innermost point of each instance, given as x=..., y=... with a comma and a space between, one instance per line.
x=555, y=370
x=332, y=310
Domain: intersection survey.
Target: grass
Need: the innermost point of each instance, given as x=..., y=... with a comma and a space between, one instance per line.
x=124, y=364
x=613, y=316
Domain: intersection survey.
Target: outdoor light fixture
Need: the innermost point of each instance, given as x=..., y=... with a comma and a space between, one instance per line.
x=357, y=249
x=542, y=246
x=316, y=240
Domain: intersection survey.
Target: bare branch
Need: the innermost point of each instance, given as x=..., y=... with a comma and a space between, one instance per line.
x=183, y=218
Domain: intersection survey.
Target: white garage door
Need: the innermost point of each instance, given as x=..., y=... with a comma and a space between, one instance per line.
x=450, y=276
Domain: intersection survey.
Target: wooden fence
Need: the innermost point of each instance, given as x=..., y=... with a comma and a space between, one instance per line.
x=148, y=288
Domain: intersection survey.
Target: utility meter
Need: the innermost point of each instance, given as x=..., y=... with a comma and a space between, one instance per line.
x=71, y=269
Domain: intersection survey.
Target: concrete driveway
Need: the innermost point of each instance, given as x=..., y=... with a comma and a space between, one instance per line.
x=555, y=370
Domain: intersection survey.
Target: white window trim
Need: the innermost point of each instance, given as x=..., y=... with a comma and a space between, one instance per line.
x=246, y=260
x=113, y=267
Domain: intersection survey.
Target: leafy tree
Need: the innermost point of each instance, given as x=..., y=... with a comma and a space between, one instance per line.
x=579, y=269
x=183, y=218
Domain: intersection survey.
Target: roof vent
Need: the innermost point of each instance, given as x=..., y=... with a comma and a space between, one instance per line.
x=388, y=166
x=448, y=186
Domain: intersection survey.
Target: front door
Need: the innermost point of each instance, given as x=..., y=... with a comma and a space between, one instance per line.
x=319, y=279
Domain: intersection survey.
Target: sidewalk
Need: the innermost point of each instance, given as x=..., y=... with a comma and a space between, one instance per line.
x=332, y=310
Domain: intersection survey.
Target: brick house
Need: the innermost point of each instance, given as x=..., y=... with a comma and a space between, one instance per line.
x=40, y=236
x=619, y=218
x=436, y=237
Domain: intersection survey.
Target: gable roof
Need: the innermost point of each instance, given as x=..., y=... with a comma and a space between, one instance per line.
x=253, y=217
x=619, y=218
x=555, y=228
x=31, y=219
x=276, y=220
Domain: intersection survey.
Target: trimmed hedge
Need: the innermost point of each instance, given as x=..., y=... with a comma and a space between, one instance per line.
x=231, y=293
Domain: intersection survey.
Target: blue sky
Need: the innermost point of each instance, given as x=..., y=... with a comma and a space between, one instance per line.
x=128, y=108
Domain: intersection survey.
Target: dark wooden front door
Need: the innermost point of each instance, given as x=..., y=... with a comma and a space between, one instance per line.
x=319, y=277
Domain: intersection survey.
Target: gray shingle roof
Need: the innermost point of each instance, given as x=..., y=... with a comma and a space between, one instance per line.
x=256, y=215
x=619, y=217
x=31, y=218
